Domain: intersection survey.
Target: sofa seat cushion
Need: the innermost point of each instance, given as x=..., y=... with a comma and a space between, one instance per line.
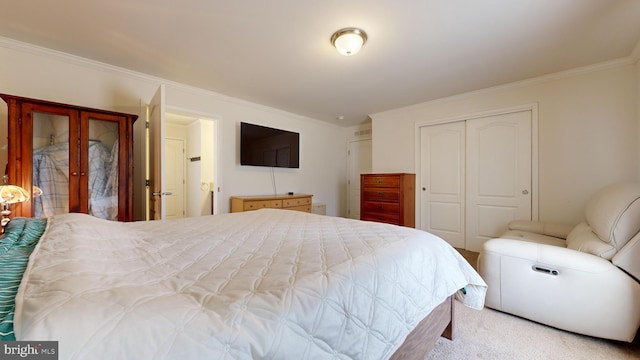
x=582, y=238
x=533, y=237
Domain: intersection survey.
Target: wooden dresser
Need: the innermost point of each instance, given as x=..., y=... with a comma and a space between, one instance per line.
x=388, y=198
x=300, y=202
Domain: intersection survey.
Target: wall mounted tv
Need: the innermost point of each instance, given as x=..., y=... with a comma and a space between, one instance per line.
x=265, y=146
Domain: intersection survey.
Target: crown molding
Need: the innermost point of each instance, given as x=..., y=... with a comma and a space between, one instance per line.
x=56, y=55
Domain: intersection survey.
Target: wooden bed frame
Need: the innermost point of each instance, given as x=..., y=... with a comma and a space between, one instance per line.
x=423, y=338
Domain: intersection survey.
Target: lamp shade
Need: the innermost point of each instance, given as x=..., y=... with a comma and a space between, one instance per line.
x=11, y=194
x=348, y=41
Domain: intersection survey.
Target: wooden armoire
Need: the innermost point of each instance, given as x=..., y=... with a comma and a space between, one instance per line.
x=80, y=159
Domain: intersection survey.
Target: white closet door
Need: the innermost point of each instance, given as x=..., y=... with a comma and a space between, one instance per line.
x=475, y=177
x=359, y=163
x=498, y=175
x=442, y=188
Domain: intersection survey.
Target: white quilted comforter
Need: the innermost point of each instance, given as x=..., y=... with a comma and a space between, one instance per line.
x=272, y=284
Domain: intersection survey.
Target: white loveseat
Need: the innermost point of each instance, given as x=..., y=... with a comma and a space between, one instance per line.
x=583, y=279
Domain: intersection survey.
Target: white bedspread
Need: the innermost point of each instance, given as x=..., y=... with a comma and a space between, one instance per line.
x=271, y=284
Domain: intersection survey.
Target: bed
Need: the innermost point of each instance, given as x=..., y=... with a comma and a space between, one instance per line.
x=265, y=284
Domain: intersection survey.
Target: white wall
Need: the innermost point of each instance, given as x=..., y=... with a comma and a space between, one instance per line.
x=43, y=74
x=323, y=161
x=588, y=131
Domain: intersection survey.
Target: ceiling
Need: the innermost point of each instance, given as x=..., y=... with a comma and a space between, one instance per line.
x=277, y=53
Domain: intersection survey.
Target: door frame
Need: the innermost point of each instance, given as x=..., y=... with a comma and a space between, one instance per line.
x=143, y=149
x=533, y=107
x=216, y=120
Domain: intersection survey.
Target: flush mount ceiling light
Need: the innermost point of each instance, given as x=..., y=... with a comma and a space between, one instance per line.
x=348, y=41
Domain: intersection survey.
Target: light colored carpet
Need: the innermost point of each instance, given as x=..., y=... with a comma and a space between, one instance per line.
x=490, y=334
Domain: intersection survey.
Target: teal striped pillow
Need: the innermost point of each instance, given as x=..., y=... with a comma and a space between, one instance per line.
x=21, y=236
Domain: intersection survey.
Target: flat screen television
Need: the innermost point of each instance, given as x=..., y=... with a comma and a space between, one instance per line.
x=265, y=146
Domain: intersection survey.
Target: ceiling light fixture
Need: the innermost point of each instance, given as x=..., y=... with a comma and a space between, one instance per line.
x=349, y=41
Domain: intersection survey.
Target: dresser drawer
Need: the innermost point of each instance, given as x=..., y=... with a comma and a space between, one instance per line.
x=287, y=203
x=385, y=218
x=380, y=194
x=380, y=207
x=261, y=204
x=305, y=208
x=382, y=181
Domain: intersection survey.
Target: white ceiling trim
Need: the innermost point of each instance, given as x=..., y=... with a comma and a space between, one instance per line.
x=101, y=66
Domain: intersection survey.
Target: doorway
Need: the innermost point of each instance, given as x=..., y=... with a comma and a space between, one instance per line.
x=359, y=162
x=188, y=165
x=202, y=174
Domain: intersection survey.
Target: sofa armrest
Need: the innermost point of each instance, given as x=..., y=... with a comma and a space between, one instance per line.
x=544, y=228
x=554, y=256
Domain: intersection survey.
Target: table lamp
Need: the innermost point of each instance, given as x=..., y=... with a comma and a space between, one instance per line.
x=10, y=194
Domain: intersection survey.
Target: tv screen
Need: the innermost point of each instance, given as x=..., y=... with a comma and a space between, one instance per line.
x=265, y=146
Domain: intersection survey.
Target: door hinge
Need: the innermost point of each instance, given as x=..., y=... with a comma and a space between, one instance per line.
x=146, y=125
x=147, y=183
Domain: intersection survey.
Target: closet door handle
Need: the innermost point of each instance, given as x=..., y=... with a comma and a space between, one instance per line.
x=82, y=174
x=75, y=173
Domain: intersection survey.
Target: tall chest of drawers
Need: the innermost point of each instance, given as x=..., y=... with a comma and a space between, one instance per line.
x=388, y=198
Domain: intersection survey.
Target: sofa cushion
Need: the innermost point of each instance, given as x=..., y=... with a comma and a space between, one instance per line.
x=613, y=213
x=582, y=238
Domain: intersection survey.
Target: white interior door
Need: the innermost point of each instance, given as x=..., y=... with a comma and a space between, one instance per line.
x=498, y=175
x=156, y=158
x=359, y=163
x=174, y=198
x=442, y=188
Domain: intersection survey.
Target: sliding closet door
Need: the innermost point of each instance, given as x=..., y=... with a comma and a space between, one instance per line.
x=475, y=177
x=442, y=191
x=498, y=175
